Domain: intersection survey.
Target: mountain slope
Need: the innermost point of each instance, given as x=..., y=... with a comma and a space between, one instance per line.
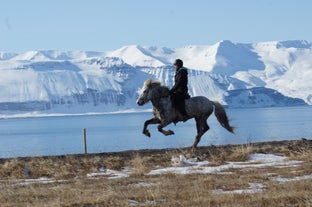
x=235, y=74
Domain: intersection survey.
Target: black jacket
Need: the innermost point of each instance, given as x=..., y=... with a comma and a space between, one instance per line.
x=180, y=85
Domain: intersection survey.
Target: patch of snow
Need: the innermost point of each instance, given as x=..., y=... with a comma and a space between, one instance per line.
x=285, y=180
x=110, y=174
x=255, y=160
x=182, y=161
x=143, y=184
x=42, y=180
x=268, y=158
x=253, y=188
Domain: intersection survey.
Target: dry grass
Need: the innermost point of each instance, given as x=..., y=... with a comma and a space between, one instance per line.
x=75, y=188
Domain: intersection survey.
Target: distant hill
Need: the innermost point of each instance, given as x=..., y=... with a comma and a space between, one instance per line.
x=264, y=74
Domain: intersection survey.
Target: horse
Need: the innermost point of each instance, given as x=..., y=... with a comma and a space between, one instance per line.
x=198, y=107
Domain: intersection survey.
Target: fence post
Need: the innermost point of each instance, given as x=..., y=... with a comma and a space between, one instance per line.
x=85, y=140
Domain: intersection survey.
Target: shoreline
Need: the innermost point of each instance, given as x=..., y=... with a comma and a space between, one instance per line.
x=145, y=152
x=43, y=115
x=36, y=114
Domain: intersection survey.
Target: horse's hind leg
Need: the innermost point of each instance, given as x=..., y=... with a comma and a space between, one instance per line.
x=202, y=127
x=165, y=132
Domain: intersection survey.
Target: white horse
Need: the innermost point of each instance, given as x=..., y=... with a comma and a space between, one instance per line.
x=198, y=107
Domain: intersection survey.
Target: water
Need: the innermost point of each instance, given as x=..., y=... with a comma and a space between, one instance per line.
x=118, y=132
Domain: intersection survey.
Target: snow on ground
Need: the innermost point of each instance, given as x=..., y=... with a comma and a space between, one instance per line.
x=255, y=160
x=285, y=180
x=182, y=165
x=253, y=188
x=110, y=174
x=42, y=180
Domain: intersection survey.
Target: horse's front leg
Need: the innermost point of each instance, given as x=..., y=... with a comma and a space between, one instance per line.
x=162, y=125
x=148, y=122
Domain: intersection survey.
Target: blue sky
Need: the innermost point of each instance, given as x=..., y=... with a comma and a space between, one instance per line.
x=105, y=25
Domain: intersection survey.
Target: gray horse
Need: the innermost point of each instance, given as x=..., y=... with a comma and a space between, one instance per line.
x=198, y=107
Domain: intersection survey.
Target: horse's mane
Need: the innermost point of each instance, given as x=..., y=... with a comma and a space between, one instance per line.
x=149, y=83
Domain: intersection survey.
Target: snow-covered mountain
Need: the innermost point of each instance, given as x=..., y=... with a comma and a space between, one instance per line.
x=238, y=75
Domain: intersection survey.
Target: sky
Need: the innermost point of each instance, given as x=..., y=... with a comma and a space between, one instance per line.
x=106, y=25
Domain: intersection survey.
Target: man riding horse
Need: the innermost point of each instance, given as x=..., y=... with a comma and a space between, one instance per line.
x=198, y=107
x=179, y=92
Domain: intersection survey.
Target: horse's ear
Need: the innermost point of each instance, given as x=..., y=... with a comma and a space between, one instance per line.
x=148, y=82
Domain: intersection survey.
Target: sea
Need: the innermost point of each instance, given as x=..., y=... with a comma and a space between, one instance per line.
x=64, y=134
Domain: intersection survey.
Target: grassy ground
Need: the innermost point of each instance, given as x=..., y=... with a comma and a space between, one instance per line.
x=65, y=180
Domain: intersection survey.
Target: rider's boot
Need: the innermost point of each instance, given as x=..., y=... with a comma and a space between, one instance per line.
x=184, y=115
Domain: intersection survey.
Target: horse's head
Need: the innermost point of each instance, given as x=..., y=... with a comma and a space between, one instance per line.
x=145, y=95
x=152, y=91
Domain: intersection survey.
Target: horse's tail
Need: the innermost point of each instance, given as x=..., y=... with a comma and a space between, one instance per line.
x=222, y=117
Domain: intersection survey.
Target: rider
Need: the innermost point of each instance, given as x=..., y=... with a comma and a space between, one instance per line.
x=179, y=92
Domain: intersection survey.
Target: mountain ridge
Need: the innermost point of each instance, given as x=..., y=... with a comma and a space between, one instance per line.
x=76, y=80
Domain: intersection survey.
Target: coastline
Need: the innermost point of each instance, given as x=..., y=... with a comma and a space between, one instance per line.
x=199, y=150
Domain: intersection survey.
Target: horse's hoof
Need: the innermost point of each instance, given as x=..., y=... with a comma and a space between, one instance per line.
x=193, y=148
x=170, y=132
x=148, y=134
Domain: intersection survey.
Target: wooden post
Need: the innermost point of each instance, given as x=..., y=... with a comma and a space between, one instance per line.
x=85, y=140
